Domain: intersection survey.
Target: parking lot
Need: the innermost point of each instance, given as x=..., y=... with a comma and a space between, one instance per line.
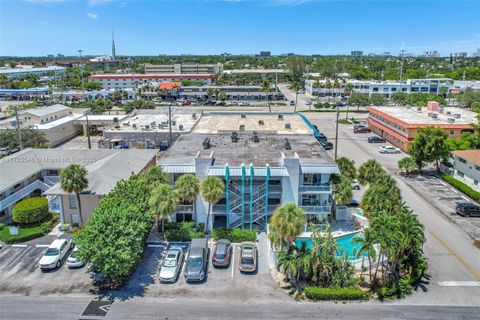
x=220, y=283
x=20, y=273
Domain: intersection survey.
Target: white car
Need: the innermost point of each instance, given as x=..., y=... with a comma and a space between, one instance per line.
x=73, y=261
x=57, y=250
x=171, y=265
x=308, y=102
x=389, y=149
x=355, y=184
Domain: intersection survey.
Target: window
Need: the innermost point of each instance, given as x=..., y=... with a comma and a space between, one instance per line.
x=452, y=132
x=460, y=174
x=462, y=160
x=72, y=201
x=375, y=89
x=477, y=167
x=475, y=182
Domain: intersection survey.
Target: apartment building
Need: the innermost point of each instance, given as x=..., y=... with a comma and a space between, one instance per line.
x=466, y=167
x=399, y=125
x=265, y=160
x=31, y=70
x=132, y=81
x=35, y=172
x=183, y=68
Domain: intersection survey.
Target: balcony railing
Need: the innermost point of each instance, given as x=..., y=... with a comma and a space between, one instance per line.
x=317, y=209
x=322, y=188
x=185, y=208
x=22, y=193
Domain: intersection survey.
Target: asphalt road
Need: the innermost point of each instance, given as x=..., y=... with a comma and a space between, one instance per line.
x=454, y=262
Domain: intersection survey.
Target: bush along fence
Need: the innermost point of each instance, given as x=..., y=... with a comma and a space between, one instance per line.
x=462, y=187
x=234, y=235
x=317, y=294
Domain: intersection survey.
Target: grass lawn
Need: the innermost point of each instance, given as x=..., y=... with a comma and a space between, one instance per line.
x=24, y=234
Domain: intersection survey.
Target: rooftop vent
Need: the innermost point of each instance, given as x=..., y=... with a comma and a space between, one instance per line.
x=261, y=123
x=206, y=143
x=286, y=144
x=288, y=126
x=243, y=115
x=457, y=115
x=255, y=137
x=280, y=117
x=449, y=112
x=147, y=127
x=194, y=115
x=441, y=110
x=234, y=137
x=115, y=119
x=434, y=115
x=242, y=127
x=408, y=107
x=180, y=127
x=419, y=109
x=451, y=120
x=134, y=125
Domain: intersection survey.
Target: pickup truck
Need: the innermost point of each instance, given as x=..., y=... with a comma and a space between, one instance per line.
x=197, y=259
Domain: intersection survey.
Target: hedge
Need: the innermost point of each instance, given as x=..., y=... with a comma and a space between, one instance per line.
x=234, y=235
x=23, y=235
x=31, y=211
x=462, y=187
x=182, y=231
x=317, y=294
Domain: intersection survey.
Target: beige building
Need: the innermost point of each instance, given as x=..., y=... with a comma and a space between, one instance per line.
x=183, y=68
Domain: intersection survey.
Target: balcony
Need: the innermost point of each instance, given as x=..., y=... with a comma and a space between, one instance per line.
x=317, y=209
x=315, y=189
x=22, y=193
x=185, y=208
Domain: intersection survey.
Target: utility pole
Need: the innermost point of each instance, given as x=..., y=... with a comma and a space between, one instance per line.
x=401, y=64
x=20, y=141
x=336, y=133
x=84, y=98
x=169, y=124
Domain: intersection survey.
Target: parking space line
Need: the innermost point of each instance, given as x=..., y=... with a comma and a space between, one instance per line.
x=233, y=259
x=465, y=198
x=442, y=183
x=19, y=245
x=18, y=257
x=454, y=190
x=42, y=246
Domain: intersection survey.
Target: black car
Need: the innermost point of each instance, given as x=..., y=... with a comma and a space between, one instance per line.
x=320, y=136
x=376, y=139
x=223, y=251
x=327, y=145
x=360, y=128
x=466, y=209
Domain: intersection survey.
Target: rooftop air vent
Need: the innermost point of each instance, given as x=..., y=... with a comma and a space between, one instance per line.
x=280, y=117
x=288, y=126
x=419, y=109
x=451, y=120
x=180, y=127
x=441, y=110
x=255, y=137
x=286, y=144
x=147, y=127
x=261, y=123
x=449, y=112
x=206, y=143
x=234, y=137
x=434, y=115
x=408, y=107
x=194, y=115
x=115, y=119
x=134, y=125
x=243, y=115
x=457, y=115
x=242, y=127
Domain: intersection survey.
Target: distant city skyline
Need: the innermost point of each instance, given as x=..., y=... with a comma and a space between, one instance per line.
x=46, y=27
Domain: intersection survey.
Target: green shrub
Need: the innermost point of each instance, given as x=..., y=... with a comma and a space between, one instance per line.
x=46, y=227
x=234, y=235
x=1, y=226
x=475, y=195
x=317, y=294
x=31, y=211
x=23, y=235
x=183, y=231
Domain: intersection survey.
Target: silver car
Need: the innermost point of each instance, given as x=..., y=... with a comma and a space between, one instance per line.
x=171, y=266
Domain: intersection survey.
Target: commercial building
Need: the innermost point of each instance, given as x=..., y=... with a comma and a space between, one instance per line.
x=183, y=68
x=356, y=53
x=35, y=172
x=399, y=125
x=31, y=70
x=123, y=81
x=23, y=94
x=265, y=53
x=385, y=88
x=265, y=160
x=466, y=167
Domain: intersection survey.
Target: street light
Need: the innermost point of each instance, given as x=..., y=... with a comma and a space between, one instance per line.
x=84, y=100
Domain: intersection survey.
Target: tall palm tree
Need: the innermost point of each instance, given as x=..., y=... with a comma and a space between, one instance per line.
x=212, y=189
x=163, y=203
x=370, y=171
x=188, y=188
x=74, y=179
x=267, y=88
x=342, y=191
x=367, y=246
x=288, y=222
x=347, y=167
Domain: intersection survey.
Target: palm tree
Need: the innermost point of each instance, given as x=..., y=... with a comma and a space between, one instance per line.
x=367, y=245
x=381, y=196
x=163, y=202
x=342, y=191
x=267, y=88
x=188, y=188
x=212, y=189
x=74, y=179
x=286, y=263
x=288, y=222
x=370, y=171
x=155, y=176
x=347, y=167
x=408, y=164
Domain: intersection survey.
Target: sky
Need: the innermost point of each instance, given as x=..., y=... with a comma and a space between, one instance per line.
x=143, y=27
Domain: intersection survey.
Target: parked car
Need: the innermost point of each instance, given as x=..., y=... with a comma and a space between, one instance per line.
x=308, y=103
x=171, y=266
x=292, y=103
x=5, y=151
x=56, y=251
x=73, y=261
x=186, y=103
x=389, y=149
x=466, y=209
x=376, y=139
x=355, y=184
x=244, y=104
x=222, y=253
x=220, y=104
x=361, y=128
x=248, y=257
x=327, y=145
x=196, y=265
x=353, y=203
x=319, y=136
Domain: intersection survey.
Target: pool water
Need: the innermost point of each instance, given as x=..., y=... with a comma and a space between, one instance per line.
x=344, y=243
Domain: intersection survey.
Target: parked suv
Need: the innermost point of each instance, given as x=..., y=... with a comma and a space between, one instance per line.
x=56, y=251
x=466, y=209
x=376, y=139
x=196, y=265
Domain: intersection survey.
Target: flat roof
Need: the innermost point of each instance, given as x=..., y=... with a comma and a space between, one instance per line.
x=152, y=76
x=253, y=71
x=413, y=117
x=213, y=123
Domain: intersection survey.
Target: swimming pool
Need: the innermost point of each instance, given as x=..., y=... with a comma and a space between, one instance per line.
x=345, y=244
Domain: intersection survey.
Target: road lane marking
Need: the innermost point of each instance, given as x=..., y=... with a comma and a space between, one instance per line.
x=459, y=283
x=19, y=245
x=18, y=257
x=233, y=259
x=472, y=271
x=454, y=190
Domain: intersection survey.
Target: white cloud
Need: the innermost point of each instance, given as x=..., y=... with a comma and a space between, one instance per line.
x=93, y=3
x=93, y=16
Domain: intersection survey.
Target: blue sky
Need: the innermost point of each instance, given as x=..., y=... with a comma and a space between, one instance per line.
x=142, y=27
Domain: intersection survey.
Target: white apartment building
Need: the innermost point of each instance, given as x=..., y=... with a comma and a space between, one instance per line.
x=183, y=68
x=466, y=167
